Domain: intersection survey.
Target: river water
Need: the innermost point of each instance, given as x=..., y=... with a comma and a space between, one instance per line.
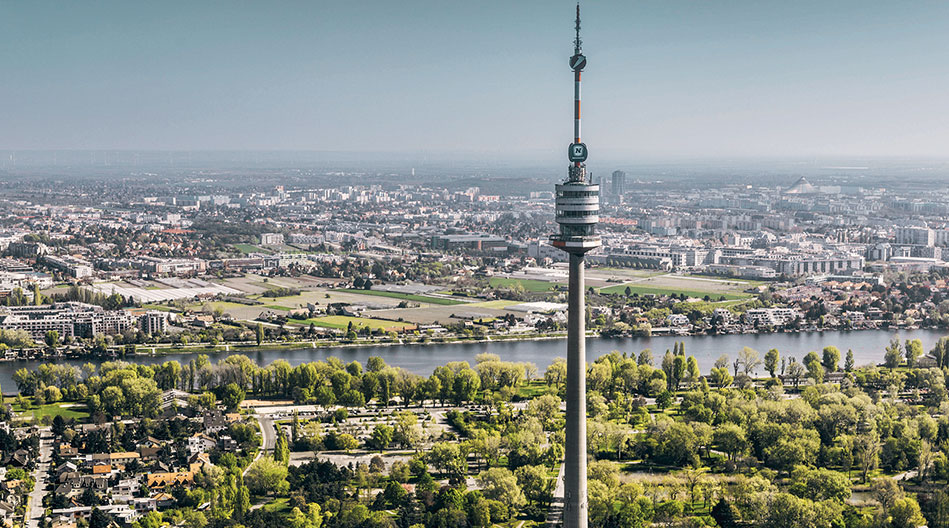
x=867, y=345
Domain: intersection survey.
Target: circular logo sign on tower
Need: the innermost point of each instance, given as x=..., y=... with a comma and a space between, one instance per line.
x=577, y=152
x=578, y=62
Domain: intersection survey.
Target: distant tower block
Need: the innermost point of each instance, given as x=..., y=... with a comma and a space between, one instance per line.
x=578, y=208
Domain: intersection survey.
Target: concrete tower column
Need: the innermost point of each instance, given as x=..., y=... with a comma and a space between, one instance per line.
x=575, y=456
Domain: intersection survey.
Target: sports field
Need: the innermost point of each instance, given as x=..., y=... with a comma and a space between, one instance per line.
x=531, y=285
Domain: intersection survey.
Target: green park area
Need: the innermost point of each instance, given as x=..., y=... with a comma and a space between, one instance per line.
x=75, y=411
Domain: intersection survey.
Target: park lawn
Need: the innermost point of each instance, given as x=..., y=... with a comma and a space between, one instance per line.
x=77, y=411
x=281, y=505
x=531, y=285
x=406, y=296
x=277, y=307
x=342, y=322
x=532, y=389
x=620, y=289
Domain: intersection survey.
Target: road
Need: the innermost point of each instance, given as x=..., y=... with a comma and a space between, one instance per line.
x=35, y=502
x=269, y=434
x=555, y=514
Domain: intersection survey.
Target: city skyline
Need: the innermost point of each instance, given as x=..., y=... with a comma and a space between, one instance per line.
x=673, y=79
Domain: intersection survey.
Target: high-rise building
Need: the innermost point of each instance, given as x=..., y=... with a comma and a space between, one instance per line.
x=618, y=187
x=578, y=207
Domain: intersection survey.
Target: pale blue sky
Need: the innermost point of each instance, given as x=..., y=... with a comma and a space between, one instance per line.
x=666, y=78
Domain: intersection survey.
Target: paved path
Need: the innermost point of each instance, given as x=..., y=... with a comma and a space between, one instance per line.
x=555, y=514
x=269, y=435
x=35, y=500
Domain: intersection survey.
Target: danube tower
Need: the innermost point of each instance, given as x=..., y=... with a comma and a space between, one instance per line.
x=578, y=207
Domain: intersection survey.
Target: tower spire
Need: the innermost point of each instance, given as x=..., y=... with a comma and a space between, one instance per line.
x=577, y=43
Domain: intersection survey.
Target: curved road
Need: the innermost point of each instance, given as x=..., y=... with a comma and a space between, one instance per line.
x=269, y=434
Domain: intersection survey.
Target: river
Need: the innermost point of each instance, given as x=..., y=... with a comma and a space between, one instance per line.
x=867, y=346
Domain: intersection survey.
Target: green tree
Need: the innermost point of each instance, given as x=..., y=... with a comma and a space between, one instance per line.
x=382, y=436
x=259, y=333
x=913, y=351
x=771, y=361
x=266, y=476
x=905, y=513
x=232, y=395
x=849, y=362
x=830, y=358
x=281, y=452
x=501, y=485
x=894, y=354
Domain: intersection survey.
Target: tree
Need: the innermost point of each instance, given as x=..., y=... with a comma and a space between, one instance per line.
x=266, y=476
x=259, y=333
x=913, y=351
x=815, y=370
x=232, y=395
x=52, y=339
x=446, y=458
x=771, y=361
x=99, y=519
x=796, y=371
x=382, y=436
x=830, y=358
x=721, y=377
x=501, y=485
x=281, y=451
x=725, y=514
x=346, y=442
x=533, y=482
x=849, y=362
x=905, y=513
x=886, y=491
x=749, y=359
x=894, y=355
x=312, y=518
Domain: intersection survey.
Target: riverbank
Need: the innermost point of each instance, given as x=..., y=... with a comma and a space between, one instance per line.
x=868, y=347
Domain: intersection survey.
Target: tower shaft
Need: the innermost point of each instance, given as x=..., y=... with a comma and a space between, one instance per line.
x=575, y=449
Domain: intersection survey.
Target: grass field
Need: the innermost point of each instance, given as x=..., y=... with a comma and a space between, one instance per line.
x=531, y=285
x=76, y=411
x=158, y=307
x=405, y=296
x=342, y=322
x=667, y=284
x=277, y=307
x=249, y=248
x=500, y=304
x=658, y=290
